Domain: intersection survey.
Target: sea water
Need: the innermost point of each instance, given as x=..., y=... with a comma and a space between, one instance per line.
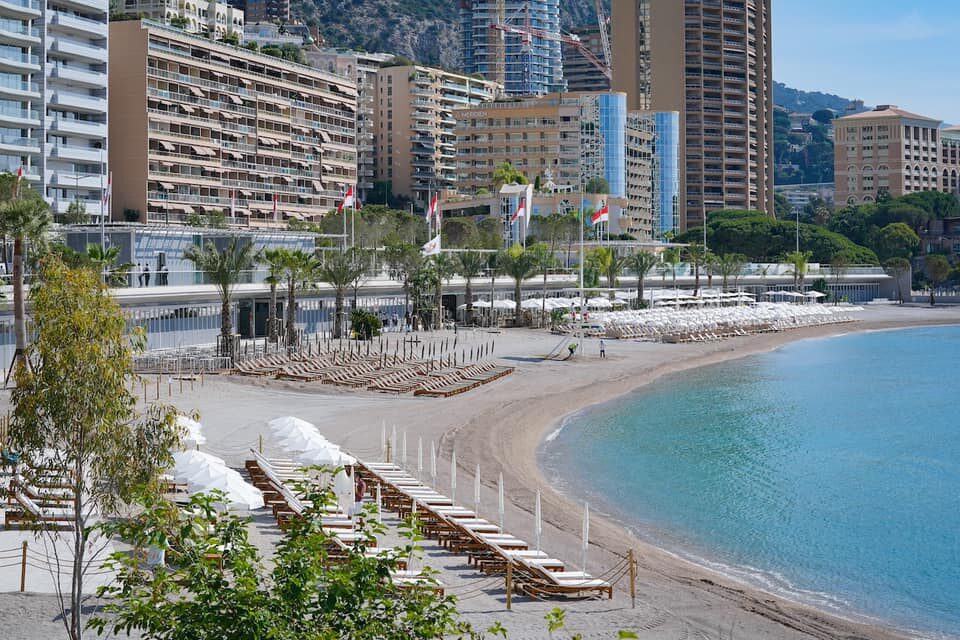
x=828, y=471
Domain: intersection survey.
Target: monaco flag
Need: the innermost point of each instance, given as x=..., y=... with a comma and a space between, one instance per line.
x=432, y=210
x=432, y=248
x=602, y=215
x=521, y=211
x=348, y=200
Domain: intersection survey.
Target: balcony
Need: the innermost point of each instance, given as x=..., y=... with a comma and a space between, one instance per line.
x=77, y=154
x=79, y=102
x=20, y=90
x=75, y=127
x=97, y=5
x=65, y=179
x=79, y=75
x=19, y=144
x=20, y=35
x=19, y=117
x=76, y=24
x=73, y=49
x=24, y=8
x=19, y=62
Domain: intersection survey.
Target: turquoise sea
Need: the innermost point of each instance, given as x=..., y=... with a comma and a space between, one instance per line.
x=828, y=471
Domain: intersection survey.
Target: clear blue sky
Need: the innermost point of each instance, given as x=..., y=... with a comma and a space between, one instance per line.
x=882, y=51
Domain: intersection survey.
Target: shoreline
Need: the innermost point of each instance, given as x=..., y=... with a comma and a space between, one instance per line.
x=804, y=617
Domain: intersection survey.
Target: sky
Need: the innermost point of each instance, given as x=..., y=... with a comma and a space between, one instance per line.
x=881, y=51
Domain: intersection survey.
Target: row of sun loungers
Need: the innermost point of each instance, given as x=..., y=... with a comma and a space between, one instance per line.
x=488, y=548
x=49, y=503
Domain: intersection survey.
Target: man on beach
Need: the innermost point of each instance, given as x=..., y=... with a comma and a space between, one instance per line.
x=603, y=349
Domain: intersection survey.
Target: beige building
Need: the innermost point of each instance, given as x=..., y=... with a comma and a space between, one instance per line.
x=639, y=219
x=195, y=16
x=580, y=73
x=712, y=62
x=886, y=150
x=414, y=127
x=203, y=127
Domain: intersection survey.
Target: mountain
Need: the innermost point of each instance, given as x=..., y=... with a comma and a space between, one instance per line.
x=797, y=101
x=426, y=31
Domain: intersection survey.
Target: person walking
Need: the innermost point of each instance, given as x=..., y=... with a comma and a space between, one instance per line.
x=139, y=274
x=603, y=349
x=146, y=275
x=164, y=275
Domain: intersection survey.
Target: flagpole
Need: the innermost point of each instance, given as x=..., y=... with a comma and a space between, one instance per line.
x=103, y=214
x=353, y=218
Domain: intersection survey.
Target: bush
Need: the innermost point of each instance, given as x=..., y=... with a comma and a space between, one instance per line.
x=365, y=325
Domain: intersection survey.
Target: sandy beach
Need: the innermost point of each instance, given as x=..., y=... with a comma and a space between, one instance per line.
x=500, y=427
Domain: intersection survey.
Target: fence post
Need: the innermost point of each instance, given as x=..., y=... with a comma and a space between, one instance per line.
x=23, y=567
x=260, y=445
x=509, y=585
x=144, y=383
x=633, y=579
x=158, y=386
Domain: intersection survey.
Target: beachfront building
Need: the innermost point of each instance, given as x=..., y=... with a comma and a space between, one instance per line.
x=712, y=63
x=210, y=18
x=362, y=67
x=414, y=127
x=579, y=72
x=639, y=218
x=885, y=151
x=576, y=136
x=524, y=63
x=53, y=99
x=208, y=129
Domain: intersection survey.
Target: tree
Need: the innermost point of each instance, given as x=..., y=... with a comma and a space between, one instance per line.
x=224, y=269
x=75, y=419
x=506, y=173
x=470, y=265
x=299, y=270
x=781, y=206
x=897, y=268
x=544, y=261
x=596, y=185
x=606, y=261
x=798, y=261
x=459, y=232
x=105, y=261
x=641, y=263
x=896, y=240
x=339, y=269
x=25, y=217
x=445, y=267
x=696, y=254
x=519, y=264
x=274, y=259
x=730, y=265
x=938, y=268
x=823, y=116
x=403, y=259
x=365, y=325
x=671, y=261
x=839, y=266
x=76, y=213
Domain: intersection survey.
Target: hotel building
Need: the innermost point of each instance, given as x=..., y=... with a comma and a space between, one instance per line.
x=53, y=98
x=711, y=62
x=204, y=127
x=196, y=16
x=415, y=128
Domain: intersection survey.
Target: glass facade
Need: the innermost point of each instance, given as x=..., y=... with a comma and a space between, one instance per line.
x=667, y=173
x=613, y=121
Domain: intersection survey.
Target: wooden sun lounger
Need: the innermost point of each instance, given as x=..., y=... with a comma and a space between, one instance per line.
x=536, y=580
x=30, y=513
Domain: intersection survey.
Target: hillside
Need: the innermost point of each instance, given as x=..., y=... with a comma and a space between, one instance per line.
x=798, y=101
x=423, y=30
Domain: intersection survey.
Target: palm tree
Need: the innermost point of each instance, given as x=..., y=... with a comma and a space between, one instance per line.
x=519, y=264
x=671, y=258
x=697, y=255
x=445, y=267
x=798, y=260
x=273, y=258
x=470, y=265
x=607, y=263
x=224, y=269
x=506, y=173
x=641, y=263
x=340, y=269
x=298, y=271
x=730, y=265
x=544, y=260
x=403, y=259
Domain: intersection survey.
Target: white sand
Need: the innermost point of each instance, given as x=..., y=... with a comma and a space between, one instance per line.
x=500, y=426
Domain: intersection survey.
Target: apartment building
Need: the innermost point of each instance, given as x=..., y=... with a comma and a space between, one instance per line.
x=886, y=150
x=579, y=72
x=206, y=128
x=574, y=137
x=525, y=63
x=639, y=217
x=195, y=16
x=277, y=11
x=711, y=61
x=53, y=99
x=415, y=127
x=362, y=68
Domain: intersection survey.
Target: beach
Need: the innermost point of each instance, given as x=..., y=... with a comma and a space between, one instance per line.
x=500, y=427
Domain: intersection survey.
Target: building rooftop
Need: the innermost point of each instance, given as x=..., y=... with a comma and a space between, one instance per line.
x=888, y=111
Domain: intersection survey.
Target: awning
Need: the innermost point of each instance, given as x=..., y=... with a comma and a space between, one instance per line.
x=166, y=146
x=236, y=155
x=317, y=149
x=294, y=214
x=166, y=186
x=270, y=142
x=204, y=151
x=317, y=185
x=235, y=99
x=245, y=193
x=327, y=167
x=186, y=108
x=245, y=82
x=287, y=179
x=197, y=91
x=241, y=212
x=166, y=163
x=323, y=135
x=227, y=116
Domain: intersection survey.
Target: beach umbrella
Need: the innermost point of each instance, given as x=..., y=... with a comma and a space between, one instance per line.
x=343, y=490
x=379, y=505
x=329, y=456
x=433, y=464
x=403, y=450
x=238, y=494
x=453, y=477
x=383, y=440
x=537, y=520
x=420, y=457
x=500, y=499
x=476, y=491
x=188, y=463
x=290, y=426
x=194, y=437
x=585, y=532
x=305, y=441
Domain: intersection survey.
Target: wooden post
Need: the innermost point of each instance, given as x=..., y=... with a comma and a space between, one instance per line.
x=260, y=445
x=158, y=386
x=388, y=451
x=23, y=567
x=633, y=579
x=169, y=387
x=144, y=383
x=509, y=585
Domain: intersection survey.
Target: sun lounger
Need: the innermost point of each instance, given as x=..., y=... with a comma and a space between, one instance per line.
x=30, y=513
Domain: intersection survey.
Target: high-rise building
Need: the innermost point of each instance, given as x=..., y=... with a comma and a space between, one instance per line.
x=579, y=72
x=204, y=16
x=565, y=139
x=362, y=68
x=526, y=63
x=414, y=127
x=53, y=99
x=889, y=151
x=653, y=147
x=710, y=61
x=205, y=128
x=264, y=10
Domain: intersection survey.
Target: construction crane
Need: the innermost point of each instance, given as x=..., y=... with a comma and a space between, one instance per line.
x=498, y=46
x=604, y=35
x=527, y=33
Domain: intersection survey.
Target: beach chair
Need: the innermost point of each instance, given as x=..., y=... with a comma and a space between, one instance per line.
x=30, y=513
x=535, y=580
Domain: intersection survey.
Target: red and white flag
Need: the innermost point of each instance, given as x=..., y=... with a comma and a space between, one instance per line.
x=19, y=173
x=108, y=193
x=521, y=211
x=432, y=248
x=348, y=200
x=602, y=215
x=432, y=209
